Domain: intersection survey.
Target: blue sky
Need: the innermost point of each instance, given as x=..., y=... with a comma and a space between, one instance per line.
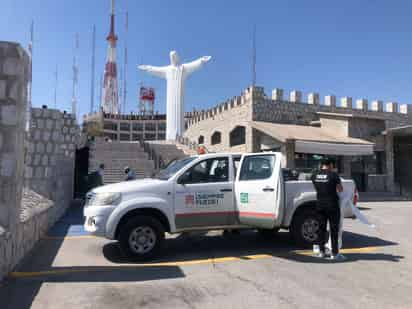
x=347, y=48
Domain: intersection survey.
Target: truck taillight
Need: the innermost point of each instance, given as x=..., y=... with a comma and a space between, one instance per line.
x=355, y=197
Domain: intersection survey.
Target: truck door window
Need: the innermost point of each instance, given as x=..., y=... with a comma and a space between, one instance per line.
x=210, y=170
x=257, y=167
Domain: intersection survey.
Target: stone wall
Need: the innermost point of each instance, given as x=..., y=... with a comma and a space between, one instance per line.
x=224, y=119
x=377, y=183
x=301, y=113
x=38, y=165
x=50, y=153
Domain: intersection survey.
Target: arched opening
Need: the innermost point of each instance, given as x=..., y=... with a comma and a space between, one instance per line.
x=216, y=138
x=237, y=136
x=201, y=140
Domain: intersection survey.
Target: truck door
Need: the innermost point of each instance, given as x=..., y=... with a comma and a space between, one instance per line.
x=258, y=190
x=204, y=194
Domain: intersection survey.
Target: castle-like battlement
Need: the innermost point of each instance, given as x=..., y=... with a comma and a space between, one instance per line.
x=391, y=111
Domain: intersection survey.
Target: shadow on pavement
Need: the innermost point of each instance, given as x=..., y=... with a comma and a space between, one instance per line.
x=200, y=247
x=20, y=292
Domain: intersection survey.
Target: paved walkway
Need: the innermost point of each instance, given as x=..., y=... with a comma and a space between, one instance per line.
x=70, y=269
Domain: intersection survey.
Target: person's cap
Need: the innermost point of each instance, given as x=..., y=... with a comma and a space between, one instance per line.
x=126, y=169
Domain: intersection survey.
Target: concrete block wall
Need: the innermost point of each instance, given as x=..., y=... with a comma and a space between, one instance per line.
x=50, y=153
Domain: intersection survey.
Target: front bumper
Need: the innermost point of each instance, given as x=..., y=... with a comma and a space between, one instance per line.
x=96, y=218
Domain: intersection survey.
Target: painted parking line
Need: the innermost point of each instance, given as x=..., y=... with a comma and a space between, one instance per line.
x=71, y=270
x=68, y=237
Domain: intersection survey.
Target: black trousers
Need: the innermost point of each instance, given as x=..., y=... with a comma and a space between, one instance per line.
x=329, y=213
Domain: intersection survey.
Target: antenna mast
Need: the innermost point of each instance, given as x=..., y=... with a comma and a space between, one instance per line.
x=93, y=82
x=75, y=78
x=254, y=57
x=125, y=65
x=29, y=87
x=56, y=76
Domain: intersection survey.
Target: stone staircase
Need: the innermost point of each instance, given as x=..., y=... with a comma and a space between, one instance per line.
x=115, y=156
x=163, y=152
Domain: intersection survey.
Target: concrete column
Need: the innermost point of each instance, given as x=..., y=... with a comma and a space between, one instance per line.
x=295, y=96
x=362, y=104
x=377, y=106
x=313, y=98
x=290, y=153
x=330, y=100
x=390, y=164
x=346, y=102
x=14, y=70
x=392, y=107
x=277, y=94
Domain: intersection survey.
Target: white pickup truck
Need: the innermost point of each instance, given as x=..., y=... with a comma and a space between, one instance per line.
x=206, y=192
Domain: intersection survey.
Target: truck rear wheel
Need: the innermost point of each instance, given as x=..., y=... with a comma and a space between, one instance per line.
x=141, y=238
x=305, y=228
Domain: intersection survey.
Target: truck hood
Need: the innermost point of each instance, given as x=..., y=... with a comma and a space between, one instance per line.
x=147, y=184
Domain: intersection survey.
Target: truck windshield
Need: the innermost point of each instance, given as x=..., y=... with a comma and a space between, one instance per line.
x=173, y=168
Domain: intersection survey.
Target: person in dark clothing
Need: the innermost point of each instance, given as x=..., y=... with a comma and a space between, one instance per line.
x=327, y=184
x=130, y=175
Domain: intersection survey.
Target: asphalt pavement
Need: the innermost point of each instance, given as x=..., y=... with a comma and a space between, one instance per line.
x=70, y=269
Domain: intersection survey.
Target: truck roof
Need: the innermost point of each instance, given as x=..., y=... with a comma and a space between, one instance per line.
x=214, y=154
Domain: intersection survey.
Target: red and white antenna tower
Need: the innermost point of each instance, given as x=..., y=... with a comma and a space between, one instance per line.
x=75, y=78
x=110, y=91
x=125, y=66
x=147, y=98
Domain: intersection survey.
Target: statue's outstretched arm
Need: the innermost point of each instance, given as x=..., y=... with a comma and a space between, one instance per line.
x=156, y=71
x=195, y=65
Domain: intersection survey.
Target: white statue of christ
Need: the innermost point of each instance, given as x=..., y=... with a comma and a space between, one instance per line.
x=176, y=75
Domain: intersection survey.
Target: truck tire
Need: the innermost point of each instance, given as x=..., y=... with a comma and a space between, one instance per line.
x=268, y=233
x=305, y=228
x=141, y=238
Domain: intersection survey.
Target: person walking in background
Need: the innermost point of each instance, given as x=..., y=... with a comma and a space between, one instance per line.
x=328, y=184
x=100, y=173
x=130, y=175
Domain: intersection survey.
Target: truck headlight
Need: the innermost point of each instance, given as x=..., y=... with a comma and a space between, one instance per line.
x=102, y=199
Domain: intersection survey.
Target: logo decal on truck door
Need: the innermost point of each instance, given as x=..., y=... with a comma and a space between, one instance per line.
x=244, y=198
x=204, y=200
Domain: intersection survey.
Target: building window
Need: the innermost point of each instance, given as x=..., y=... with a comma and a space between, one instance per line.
x=201, y=140
x=110, y=126
x=216, y=138
x=138, y=127
x=111, y=136
x=150, y=126
x=161, y=136
x=150, y=136
x=237, y=136
x=124, y=126
x=124, y=137
x=137, y=137
x=162, y=126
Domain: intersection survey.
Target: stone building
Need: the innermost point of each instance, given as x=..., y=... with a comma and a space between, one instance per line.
x=370, y=142
x=129, y=128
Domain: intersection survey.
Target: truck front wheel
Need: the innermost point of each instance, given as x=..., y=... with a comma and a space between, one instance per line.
x=141, y=237
x=305, y=228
